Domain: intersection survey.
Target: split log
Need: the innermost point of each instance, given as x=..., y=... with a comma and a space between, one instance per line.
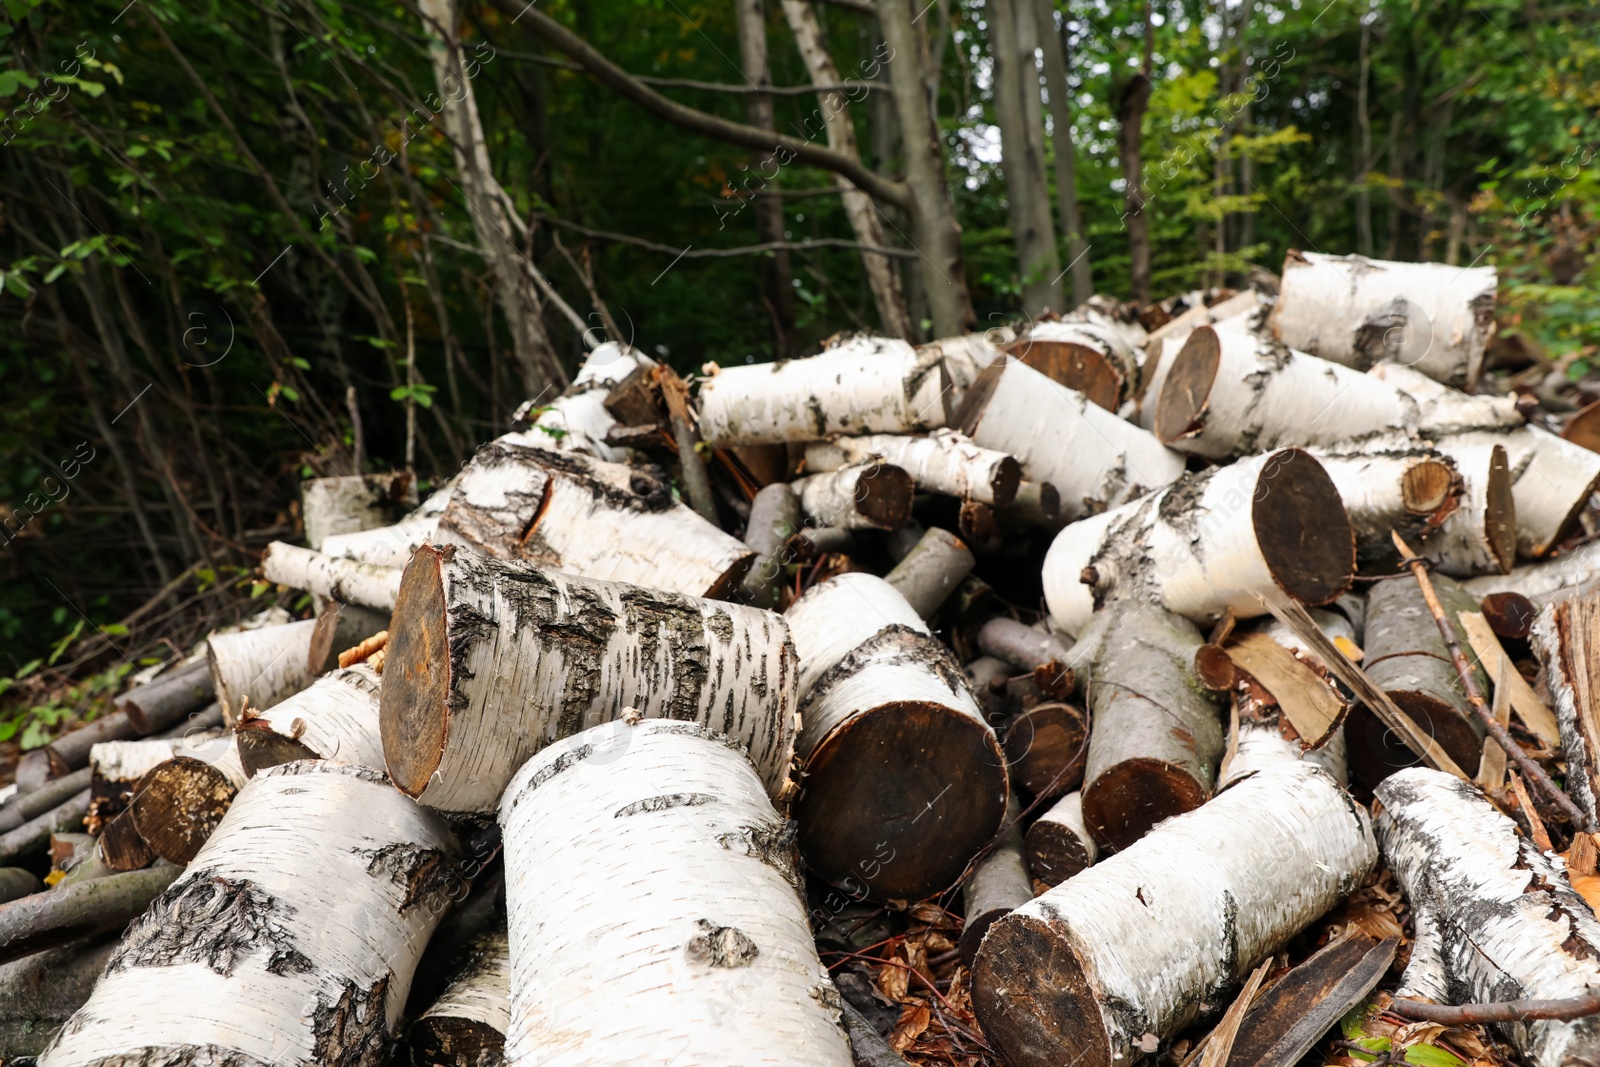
x=1273, y=673
x=1407, y=658
x=1231, y=392
x=162, y=703
x=1551, y=482
x=942, y=462
x=1157, y=738
x=931, y=571
x=774, y=518
x=180, y=803
x=1496, y=918
x=997, y=886
x=715, y=968
x=579, y=420
x=355, y=502
x=1217, y=541
x=244, y=957
x=1567, y=641
x=391, y=546
x=1092, y=357
x=584, y=516
x=1356, y=311
x=466, y=1026
x=904, y=779
x=865, y=385
x=1046, y=747
x=488, y=661
x=26, y=806
x=1143, y=942
x=340, y=627
x=17, y=882
x=335, y=719
x=66, y=913
x=1059, y=843
x=1093, y=459
x=865, y=496
x=33, y=836
x=1550, y=581
x=262, y=666
x=42, y=991
x=346, y=580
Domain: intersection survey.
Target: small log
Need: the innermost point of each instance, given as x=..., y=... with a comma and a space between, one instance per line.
x=603, y=520
x=25, y=806
x=942, y=462
x=1135, y=948
x=717, y=967
x=1093, y=459
x=1163, y=345
x=262, y=666
x=1157, y=739
x=866, y=496
x=1551, y=482
x=335, y=719
x=391, y=546
x=581, y=418
x=66, y=913
x=162, y=703
x=1092, y=358
x=71, y=750
x=931, y=571
x=1022, y=646
x=347, y=580
x=1443, y=410
x=33, y=836
x=1046, y=747
x=1565, y=639
x=466, y=1026
x=865, y=385
x=904, y=779
x=17, y=882
x=998, y=885
x=813, y=542
x=116, y=768
x=868, y=1048
x=1510, y=615
x=1391, y=485
x=244, y=955
x=1551, y=581
x=180, y=803
x=1496, y=918
x=488, y=661
x=340, y=627
x=1059, y=844
x=42, y=991
x=1357, y=311
x=1480, y=535
x=774, y=518
x=1036, y=505
x=354, y=502
x=1215, y=542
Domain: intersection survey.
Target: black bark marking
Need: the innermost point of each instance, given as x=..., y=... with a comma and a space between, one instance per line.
x=663, y=803
x=352, y=1030
x=212, y=920
x=894, y=644
x=422, y=873
x=162, y=1055
x=653, y=616
x=776, y=845
x=721, y=946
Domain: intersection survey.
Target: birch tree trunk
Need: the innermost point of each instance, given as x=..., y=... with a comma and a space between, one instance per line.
x=1215, y=542
x=577, y=420
x=1142, y=942
x=488, y=662
x=335, y=719
x=1358, y=311
x=1090, y=357
x=263, y=666
x=904, y=780
x=466, y=1026
x=1053, y=48
x=942, y=462
x=293, y=934
x=863, y=496
x=1027, y=195
x=353, y=503
x=715, y=963
x=997, y=886
x=1059, y=843
x=1567, y=640
x=367, y=584
x=1130, y=104
x=1496, y=918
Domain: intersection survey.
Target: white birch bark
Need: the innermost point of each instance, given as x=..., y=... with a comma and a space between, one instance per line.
x=1103, y=350
x=123, y=763
x=1357, y=311
x=1552, y=481
x=1496, y=918
x=1139, y=943
x=688, y=912
x=942, y=462
x=354, y=582
x=335, y=719
x=263, y=666
x=468, y=1022
x=291, y=938
x=1563, y=638
x=1163, y=345
x=1094, y=459
x=1549, y=581
x=1059, y=844
x=488, y=662
x=1443, y=410
x=864, y=385
x=965, y=356
x=1216, y=541
x=585, y=516
x=391, y=546
x=349, y=504
x=1391, y=484
x=577, y=421
x=863, y=496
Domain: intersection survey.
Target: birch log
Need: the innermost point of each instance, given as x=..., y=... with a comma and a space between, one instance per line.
x=489, y=661
x=181, y=801
x=391, y=546
x=1480, y=535
x=577, y=421
x=263, y=666
x=1093, y=459
x=1145, y=941
x=865, y=385
x=774, y=518
x=117, y=768
x=1059, y=843
x=1358, y=311
x=1046, y=747
x=353, y=503
x=348, y=580
x=998, y=885
x=466, y=1026
x=1567, y=641
x=161, y=703
x=1496, y=918
x=933, y=569
x=715, y=962
x=1549, y=581
x=335, y=719
x=292, y=937
x=1443, y=410
x=904, y=779
x=863, y=496
x=1231, y=392
x=1239, y=312
x=1391, y=486
x=942, y=462
x=1092, y=358
x=1552, y=481
x=583, y=516
x=966, y=356
x=1217, y=541
x=341, y=627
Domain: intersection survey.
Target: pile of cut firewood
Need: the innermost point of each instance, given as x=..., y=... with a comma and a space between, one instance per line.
x=1216, y=682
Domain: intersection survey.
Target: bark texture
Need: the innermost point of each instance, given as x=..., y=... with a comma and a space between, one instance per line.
x=931, y=571
x=69, y=912
x=335, y=719
x=774, y=518
x=352, y=581
x=391, y=546
x=262, y=666
x=42, y=991
x=1059, y=843
x=466, y=1026
x=1012, y=38
x=1567, y=641
x=942, y=462
x=997, y=886
x=162, y=703
x=353, y=503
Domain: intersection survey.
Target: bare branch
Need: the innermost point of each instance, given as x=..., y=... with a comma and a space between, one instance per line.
x=720, y=253
x=1506, y=1011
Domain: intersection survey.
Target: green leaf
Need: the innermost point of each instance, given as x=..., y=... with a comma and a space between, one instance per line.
x=9, y=728
x=29, y=667
x=303, y=364
x=9, y=82
x=35, y=736
x=1577, y=369
x=1432, y=1056
x=61, y=646
x=116, y=629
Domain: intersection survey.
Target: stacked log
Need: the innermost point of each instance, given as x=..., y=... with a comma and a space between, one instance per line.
x=352, y=503
x=335, y=718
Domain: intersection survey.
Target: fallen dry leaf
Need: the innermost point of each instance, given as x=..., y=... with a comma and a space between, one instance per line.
x=913, y=1021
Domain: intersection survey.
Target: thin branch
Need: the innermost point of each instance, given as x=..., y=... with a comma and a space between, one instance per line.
x=710, y=87
x=721, y=253
x=1505, y=1011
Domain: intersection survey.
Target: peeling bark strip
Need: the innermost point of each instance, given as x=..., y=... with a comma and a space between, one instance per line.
x=489, y=661
x=1094, y=358
x=1567, y=641
x=1157, y=737
x=354, y=503
x=865, y=496
x=1094, y=459
x=996, y=886
x=335, y=719
x=603, y=520
x=577, y=421
x=1358, y=311
x=1059, y=844
x=1214, y=542
x=689, y=919
x=466, y=1026
x=864, y=385
x=942, y=462
x=281, y=942
x=391, y=546
x=367, y=584
x=1137, y=943
x=264, y=665
x=1232, y=392
x=1480, y=535
x=904, y=780
x=1496, y=918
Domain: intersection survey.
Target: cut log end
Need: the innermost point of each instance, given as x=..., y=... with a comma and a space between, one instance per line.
x=1034, y=999
x=261, y=747
x=1075, y=366
x=416, y=677
x=1006, y=480
x=1302, y=529
x=1181, y=407
x=455, y=1042
x=1046, y=747
x=883, y=496
x=1375, y=751
x=1500, y=513
x=178, y=805
x=1055, y=853
x=1426, y=486
x=1125, y=801
x=1510, y=615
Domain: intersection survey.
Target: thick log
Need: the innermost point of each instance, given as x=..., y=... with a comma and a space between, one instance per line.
x=162, y=703
x=66, y=913
x=715, y=962
x=1046, y=747
x=774, y=518
x=1550, y=581
x=1567, y=641
x=904, y=779
x=488, y=661
x=25, y=806
x=966, y=356
x=1163, y=345
x=583, y=516
x=353, y=503
x=391, y=546
x=1157, y=738
x=466, y=1026
x=1217, y=541
x=579, y=420
x=1496, y=918
x=33, y=836
x=863, y=496
x=17, y=882
x=998, y=885
x=1551, y=482
x=942, y=462
x=42, y=991
x=262, y=666
x=347, y=580
x=335, y=719
x=1356, y=311
x=180, y=803
x=1059, y=844
x=1091, y=357
x=291, y=937
x=1092, y=458
x=933, y=569
x=1145, y=941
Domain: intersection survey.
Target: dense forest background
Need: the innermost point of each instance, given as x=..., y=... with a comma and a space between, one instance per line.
x=247, y=241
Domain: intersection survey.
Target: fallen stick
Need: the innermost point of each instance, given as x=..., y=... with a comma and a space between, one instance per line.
x=774, y=518
x=998, y=885
x=1022, y=646
x=25, y=806
x=262, y=666
x=942, y=462
x=349, y=580
x=1505, y=1011
x=354, y=502
x=162, y=703
x=931, y=571
x=335, y=719
x=466, y=1026
x=865, y=496
x=42, y=991
x=33, y=836
x=1059, y=844
x=66, y=913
